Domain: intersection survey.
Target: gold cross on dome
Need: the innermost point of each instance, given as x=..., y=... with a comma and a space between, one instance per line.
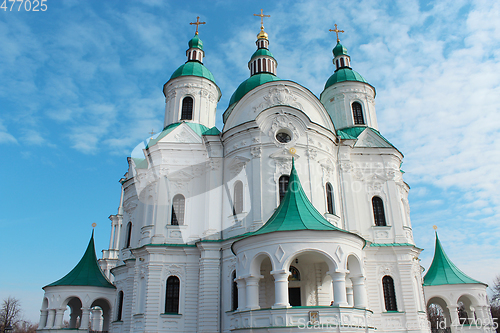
x=197, y=24
x=337, y=32
x=261, y=15
x=152, y=132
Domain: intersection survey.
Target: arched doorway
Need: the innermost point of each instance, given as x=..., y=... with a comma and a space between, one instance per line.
x=294, y=298
x=309, y=283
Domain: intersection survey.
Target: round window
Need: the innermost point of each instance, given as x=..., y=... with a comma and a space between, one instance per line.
x=283, y=137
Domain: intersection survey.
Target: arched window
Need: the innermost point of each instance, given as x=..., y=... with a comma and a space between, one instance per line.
x=128, y=235
x=187, y=108
x=283, y=185
x=329, y=199
x=234, y=291
x=178, y=206
x=357, y=114
x=120, y=306
x=238, y=198
x=172, y=295
x=294, y=274
x=389, y=294
x=378, y=212
x=342, y=62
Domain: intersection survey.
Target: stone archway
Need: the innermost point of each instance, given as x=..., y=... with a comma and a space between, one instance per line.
x=75, y=312
x=314, y=285
x=466, y=310
x=100, y=315
x=439, y=315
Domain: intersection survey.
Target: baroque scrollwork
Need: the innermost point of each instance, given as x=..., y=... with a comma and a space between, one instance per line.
x=278, y=95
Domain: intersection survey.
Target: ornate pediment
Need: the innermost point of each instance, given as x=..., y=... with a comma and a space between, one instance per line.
x=278, y=95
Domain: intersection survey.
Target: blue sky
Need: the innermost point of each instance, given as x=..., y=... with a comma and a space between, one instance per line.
x=81, y=86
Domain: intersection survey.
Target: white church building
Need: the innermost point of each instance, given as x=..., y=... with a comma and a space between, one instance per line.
x=294, y=217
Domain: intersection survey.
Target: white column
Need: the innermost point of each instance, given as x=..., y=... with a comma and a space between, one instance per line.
x=240, y=283
x=50, y=318
x=453, y=309
x=280, y=289
x=358, y=286
x=339, y=289
x=252, y=288
x=96, y=319
x=85, y=318
x=43, y=318
x=58, y=318
x=350, y=296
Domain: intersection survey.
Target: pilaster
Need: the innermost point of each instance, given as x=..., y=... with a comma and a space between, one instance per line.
x=209, y=305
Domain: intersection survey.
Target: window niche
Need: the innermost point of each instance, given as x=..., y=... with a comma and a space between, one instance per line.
x=172, y=295
x=357, y=114
x=187, y=108
x=178, y=210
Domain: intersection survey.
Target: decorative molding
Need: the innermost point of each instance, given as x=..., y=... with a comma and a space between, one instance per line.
x=256, y=151
x=282, y=121
x=237, y=165
x=280, y=253
x=278, y=95
x=312, y=153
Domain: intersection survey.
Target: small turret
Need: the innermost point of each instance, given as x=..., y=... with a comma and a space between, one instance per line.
x=348, y=97
x=191, y=94
x=262, y=60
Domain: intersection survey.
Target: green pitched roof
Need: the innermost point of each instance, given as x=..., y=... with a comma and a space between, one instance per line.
x=345, y=74
x=443, y=271
x=295, y=212
x=197, y=128
x=196, y=42
x=86, y=272
x=251, y=83
x=193, y=68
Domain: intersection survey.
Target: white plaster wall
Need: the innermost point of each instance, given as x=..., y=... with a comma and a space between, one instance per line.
x=339, y=97
x=205, y=96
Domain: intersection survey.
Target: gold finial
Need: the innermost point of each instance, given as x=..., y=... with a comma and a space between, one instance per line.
x=261, y=15
x=336, y=31
x=435, y=227
x=94, y=225
x=152, y=132
x=197, y=24
x=292, y=151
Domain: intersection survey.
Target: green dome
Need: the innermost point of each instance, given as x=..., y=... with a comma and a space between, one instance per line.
x=344, y=74
x=251, y=83
x=196, y=42
x=193, y=68
x=339, y=49
x=262, y=52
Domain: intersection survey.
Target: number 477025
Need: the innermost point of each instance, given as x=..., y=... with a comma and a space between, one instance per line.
x=24, y=5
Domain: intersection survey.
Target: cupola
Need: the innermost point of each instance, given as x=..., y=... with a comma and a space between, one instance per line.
x=191, y=94
x=348, y=97
x=262, y=60
x=262, y=65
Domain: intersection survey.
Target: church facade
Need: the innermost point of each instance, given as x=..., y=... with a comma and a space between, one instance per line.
x=294, y=217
